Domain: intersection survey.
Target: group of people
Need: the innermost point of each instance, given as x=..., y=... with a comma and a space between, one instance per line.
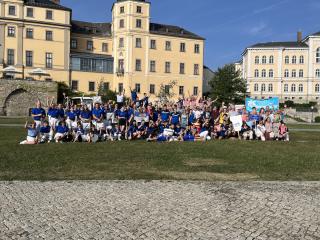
x=190, y=120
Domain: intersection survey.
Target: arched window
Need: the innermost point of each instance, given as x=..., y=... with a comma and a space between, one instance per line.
x=271, y=73
x=318, y=73
x=263, y=87
x=271, y=59
x=257, y=60
x=286, y=73
x=256, y=87
x=264, y=73
x=317, y=88
x=301, y=73
x=286, y=88
x=294, y=59
x=270, y=88
x=264, y=60
x=293, y=88
x=286, y=60
x=318, y=55
x=300, y=88
x=294, y=73
x=256, y=73
x=301, y=59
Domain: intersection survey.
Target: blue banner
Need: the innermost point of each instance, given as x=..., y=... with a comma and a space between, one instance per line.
x=272, y=103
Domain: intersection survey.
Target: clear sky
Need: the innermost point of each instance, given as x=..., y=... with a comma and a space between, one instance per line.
x=228, y=26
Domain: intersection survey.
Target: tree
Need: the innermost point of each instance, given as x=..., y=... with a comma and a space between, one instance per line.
x=106, y=94
x=165, y=92
x=228, y=86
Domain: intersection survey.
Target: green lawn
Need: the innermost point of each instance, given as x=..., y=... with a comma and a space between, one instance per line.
x=211, y=161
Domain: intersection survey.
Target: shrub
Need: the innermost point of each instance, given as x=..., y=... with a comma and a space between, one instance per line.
x=317, y=119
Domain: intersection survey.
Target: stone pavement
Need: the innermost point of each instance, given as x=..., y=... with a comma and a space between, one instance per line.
x=159, y=210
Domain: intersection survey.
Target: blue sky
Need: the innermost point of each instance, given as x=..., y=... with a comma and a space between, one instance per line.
x=228, y=26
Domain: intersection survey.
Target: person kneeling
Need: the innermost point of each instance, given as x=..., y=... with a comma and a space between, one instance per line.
x=32, y=137
x=61, y=132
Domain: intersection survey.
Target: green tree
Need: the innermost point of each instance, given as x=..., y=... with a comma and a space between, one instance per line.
x=228, y=86
x=165, y=92
x=106, y=94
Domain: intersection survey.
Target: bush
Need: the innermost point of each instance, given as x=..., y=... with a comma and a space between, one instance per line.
x=317, y=120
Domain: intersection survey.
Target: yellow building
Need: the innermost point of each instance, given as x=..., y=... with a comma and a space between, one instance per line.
x=288, y=70
x=128, y=53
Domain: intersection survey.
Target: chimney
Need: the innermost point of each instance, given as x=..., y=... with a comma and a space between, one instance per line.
x=299, y=36
x=56, y=1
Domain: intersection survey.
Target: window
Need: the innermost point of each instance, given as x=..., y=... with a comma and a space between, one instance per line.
x=286, y=60
x=153, y=44
x=139, y=9
x=318, y=73
x=12, y=10
x=137, y=88
x=74, y=44
x=104, y=47
x=256, y=73
x=293, y=88
x=29, y=33
x=196, y=69
x=264, y=73
x=167, y=67
x=257, y=60
x=48, y=60
x=138, y=65
x=263, y=87
x=106, y=86
x=294, y=73
x=121, y=42
x=300, y=73
x=167, y=89
x=264, y=60
x=152, y=66
x=300, y=88
x=256, y=87
x=195, y=91
x=271, y=59
x=10, y=56
x=92, y=86
x=317, y=88
x=74, y=85
x=90, y=45
x=271, y=73
x=49, y=35
x=182, y=47
x=121, y=23
x=196, y=48
x=120, y=87
x=121, y=65
x=29, y=58
x=168, y=46
x=49, y=15
x=152, y=89
x=301, y=60
x=270, y=87
x=182, y=68
x=181, y=90
x=30, y=12
x=294, y=60
x=11, y=31
x=286, y=73
x=286, y=88
x=318, y=55
x=138, y=23
x=138, y=43
x=122, y=9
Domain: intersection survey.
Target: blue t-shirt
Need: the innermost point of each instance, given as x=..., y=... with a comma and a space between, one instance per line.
x=130, y=113
x=254, y=117
x=32, y=132
x=86, y=114
x=60, y=113
x=165, y=115
x=134, y=96
x=53, y=112
x=72, y=115
x=36, y=111
x=62, y=129
x=191, y=118
x=175, y=118
x=97, y=112
x=45, y=129
x=122, y=114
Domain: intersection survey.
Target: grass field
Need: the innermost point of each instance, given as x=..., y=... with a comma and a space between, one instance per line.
x=218, y=160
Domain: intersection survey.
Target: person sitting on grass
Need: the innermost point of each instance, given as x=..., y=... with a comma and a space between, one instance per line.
x=32, y=136
x=283, y=132
x=61, y=132
x=246, y=132
x=45, y=132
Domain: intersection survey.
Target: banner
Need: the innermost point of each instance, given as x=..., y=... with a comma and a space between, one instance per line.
x=272, y=103
x=236, y=122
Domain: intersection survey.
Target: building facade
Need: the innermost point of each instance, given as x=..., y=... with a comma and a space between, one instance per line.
x=129, y=53
x=288, y=70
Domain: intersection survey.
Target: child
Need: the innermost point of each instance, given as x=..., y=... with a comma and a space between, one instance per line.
x=45, y=132
x=32, y=134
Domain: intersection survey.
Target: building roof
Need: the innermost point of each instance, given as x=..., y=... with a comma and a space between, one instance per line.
x=46, y=4
x=280, y=44
x=104, y=29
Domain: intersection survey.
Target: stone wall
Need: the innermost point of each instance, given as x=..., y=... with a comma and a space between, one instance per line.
x=17, y=97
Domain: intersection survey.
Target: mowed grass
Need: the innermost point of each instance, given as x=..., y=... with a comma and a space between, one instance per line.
x=212, y=161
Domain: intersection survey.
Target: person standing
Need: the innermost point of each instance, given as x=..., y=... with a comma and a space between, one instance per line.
x=38, y=114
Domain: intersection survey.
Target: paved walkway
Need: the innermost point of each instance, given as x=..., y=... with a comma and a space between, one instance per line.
x=159, y=210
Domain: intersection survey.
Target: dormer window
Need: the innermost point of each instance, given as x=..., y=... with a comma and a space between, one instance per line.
x=12, y=10
x=139, y=9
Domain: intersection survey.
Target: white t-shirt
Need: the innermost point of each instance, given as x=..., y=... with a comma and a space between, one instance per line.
x=120, y=98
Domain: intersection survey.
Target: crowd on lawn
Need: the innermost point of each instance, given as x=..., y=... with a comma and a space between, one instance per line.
x=190, y=119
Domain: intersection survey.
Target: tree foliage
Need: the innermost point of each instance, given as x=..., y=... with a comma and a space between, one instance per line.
x=106, y=94
x=165, y=92
x=228, y=86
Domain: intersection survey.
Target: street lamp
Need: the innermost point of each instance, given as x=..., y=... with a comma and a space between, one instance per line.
x=312, y=108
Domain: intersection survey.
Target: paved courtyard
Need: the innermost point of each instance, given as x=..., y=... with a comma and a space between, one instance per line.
x=159, y=210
